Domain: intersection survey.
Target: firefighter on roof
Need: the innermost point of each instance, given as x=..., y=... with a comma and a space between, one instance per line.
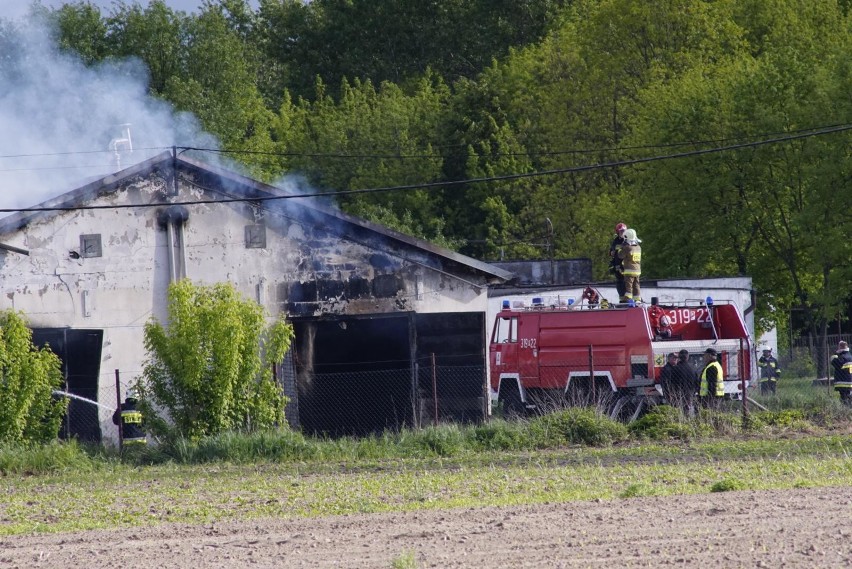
x=841, y=361
x=614, y=260
x=129, y=418
x=711, y=388
x=631, y=259
x=769, y=372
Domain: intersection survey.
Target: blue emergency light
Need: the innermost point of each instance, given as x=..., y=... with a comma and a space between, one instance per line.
x=506, y=305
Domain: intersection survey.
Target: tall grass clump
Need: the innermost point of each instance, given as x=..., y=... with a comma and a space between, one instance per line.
x=667, y=422
x=443, y=440
x=56, y=456
x=577, y=425
x=498, y=435
x=281, y=445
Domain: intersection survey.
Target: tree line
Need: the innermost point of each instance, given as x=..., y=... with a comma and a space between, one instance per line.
x=355, y=94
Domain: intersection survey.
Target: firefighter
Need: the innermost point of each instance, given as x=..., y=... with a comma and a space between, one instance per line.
x=631, y=259
x=130, y=419
x=669, y=380
x=614, y=260
x=711, y=388
x=769, y=372
x=689, y=379
x=841, y=361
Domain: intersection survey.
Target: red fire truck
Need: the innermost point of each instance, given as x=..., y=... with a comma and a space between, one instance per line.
x=546, y=355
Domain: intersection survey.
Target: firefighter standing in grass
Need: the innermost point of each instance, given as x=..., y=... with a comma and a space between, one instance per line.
x=769, y=372
x=689, y=380
x=631, y=260
x=841, y=361
x=614, y=260
x=130, y=419
x=670, y=381
x=711, y=388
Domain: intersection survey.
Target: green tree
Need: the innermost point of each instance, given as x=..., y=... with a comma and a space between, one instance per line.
x=156, y=35
x=371, y=138
x=210, y=369
x=28, y=377
x=767, y=211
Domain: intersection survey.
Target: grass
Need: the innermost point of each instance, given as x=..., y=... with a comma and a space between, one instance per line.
x=121, y=495
x=571, y=455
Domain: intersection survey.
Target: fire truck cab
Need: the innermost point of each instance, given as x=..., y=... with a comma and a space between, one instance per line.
x=546, y=356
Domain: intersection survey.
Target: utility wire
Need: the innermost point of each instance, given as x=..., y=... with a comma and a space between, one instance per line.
x=340, y=155
x=450, y=183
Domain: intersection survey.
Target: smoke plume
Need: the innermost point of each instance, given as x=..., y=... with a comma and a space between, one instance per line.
x=61, y=123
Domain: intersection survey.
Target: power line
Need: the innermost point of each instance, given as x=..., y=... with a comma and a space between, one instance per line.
x=341, y=155
x=449, y=183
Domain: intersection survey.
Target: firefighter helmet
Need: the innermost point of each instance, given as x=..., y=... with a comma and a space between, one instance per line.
x=620, y=227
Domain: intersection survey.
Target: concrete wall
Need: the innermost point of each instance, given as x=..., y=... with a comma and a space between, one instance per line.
x=125, y=287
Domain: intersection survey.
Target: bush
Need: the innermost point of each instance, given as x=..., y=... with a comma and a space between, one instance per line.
x=801, y=365
x=28, y=377
x=788, y=419
x=210, y=369
x=576, y=426
x=500, y=435
x=666, y=422
x=727, y=485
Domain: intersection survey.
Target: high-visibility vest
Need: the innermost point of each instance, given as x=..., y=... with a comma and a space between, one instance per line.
x=720, y=380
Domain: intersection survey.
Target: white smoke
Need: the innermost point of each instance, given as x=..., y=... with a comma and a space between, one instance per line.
x=58, y=117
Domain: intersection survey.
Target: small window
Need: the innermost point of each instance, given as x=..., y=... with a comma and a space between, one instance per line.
x=90, y=245
x=255, y=236
x=506, y=330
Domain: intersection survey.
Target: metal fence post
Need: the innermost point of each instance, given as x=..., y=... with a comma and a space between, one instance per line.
x=592, y=373
x=435, y=389
x=118, y=408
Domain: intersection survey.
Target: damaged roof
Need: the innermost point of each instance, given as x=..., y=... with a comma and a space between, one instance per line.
x=231, y=185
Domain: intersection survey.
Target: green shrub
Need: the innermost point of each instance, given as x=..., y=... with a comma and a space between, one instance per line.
x=28, y=376
x=576, y=426
x=727, y=485
x=801, y=365
x=788, y=419
x=499, y=435
x=210, y=367
x=666, y=422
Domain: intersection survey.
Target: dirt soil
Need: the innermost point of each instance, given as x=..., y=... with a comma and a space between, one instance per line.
x=795, y=528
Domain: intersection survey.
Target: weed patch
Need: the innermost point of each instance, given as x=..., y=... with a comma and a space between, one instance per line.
x=576, y=426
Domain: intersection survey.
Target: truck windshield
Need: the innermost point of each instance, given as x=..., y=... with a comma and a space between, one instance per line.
x=506, y=330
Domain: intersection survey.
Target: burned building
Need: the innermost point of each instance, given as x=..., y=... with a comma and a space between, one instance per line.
x=372, y=308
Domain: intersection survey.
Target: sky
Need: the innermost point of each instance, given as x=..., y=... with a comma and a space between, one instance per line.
x=14, y=9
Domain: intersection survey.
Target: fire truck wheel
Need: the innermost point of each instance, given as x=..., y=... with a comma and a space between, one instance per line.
x=510, y=397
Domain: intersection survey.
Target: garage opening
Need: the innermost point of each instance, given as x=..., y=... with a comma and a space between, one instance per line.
x=357, y=375
x=80, y=352
x=353, y=374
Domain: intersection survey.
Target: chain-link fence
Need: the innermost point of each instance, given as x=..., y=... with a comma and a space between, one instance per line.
x=810, y=356
x=372, y=401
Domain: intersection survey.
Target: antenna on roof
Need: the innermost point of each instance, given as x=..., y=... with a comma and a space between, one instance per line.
x=122, y=144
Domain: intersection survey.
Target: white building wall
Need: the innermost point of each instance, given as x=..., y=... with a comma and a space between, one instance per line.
x=125, y=287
